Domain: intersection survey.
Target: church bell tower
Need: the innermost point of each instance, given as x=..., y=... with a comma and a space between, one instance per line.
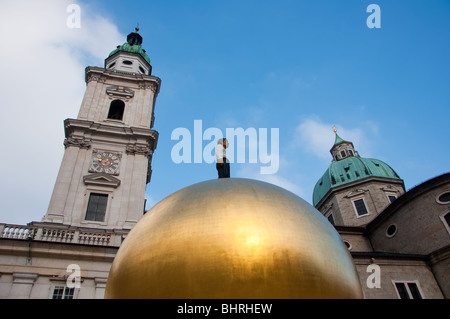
x=109, y=146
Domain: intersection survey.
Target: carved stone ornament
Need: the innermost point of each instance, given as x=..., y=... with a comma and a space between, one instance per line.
x=356, y=192
x=119, y=91
x=148, y=85
x=96, y=77
x=135, y=149
x=149, y=170
x=80, y=142
x=389, y=188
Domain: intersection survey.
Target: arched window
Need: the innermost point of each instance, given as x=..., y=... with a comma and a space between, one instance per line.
x=116, y=110
x=445, y=218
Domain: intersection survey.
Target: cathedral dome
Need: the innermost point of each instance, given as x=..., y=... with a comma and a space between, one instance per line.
x=233, y=238
x=349, y=169
x=133, y=45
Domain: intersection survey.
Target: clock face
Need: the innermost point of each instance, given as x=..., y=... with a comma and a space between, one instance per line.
x=105, y=162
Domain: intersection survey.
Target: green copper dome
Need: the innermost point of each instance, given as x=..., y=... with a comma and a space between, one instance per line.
x=349, y=170
x=126, y=47
x=133, y=45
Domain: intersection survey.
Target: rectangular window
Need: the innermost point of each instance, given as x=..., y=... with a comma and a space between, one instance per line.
x=360, y=207
x=343, y=154
x=63, y=293
x=96, y=207
x=331, y=219
x=414, y=290
x=350, y=152
x=392, y=198
x=408, y=290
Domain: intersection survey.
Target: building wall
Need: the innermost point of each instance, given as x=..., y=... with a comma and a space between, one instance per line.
x=373, y=191
x=392, y=270
x=137, y=91
x=355, y=239
x=131, y=140
x=33, y=271
x=417, y=218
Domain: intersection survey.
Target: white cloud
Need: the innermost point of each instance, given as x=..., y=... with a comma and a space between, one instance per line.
x=252, y=171
x=316, y=137
x=42, y=81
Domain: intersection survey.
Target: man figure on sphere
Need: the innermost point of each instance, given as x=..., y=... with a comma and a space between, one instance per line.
x=222, y=163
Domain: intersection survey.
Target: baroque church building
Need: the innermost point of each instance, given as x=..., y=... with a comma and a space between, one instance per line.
x=399, y=240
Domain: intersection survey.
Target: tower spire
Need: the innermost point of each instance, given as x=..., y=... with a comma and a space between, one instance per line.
x=342, y=148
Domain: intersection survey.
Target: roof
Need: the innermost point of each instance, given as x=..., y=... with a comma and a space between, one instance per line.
x=338, y=140
x=349, y=170
x=126, y=47
x=133, y=45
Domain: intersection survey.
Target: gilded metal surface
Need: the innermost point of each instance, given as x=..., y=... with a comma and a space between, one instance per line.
x=233, y=238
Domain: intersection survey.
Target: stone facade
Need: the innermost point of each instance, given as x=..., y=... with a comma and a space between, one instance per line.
x=373, y=190
x=396, y=269
x=39, y=259
x=408, y=240
x=129, y=139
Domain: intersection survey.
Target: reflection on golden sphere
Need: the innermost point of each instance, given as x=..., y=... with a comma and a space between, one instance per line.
x=233, y=238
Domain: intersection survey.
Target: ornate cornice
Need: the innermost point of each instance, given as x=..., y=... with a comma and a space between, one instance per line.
x=101, y=179
x=135, y=149
x=101, y=75
x=95, y=77
x=149, y=85
x=76, y=128
x=356, y=192
x=81, y=142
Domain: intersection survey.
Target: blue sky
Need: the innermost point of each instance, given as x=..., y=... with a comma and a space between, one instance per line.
x=299, y=66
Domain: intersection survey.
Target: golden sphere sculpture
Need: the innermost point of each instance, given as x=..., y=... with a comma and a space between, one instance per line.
x=233, y=238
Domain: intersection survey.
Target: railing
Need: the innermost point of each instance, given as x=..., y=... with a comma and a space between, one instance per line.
x=62, y=234
x=17, y=232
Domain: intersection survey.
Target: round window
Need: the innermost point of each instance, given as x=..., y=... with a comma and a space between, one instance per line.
x=444, y=198
x=391, y=230
x=127, y=62
x=347, y=244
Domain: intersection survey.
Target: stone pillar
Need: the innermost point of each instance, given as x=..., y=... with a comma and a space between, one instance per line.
x=100, y=286
x=22, y=285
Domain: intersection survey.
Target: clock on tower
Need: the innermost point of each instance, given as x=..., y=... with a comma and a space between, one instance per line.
x=105, y=162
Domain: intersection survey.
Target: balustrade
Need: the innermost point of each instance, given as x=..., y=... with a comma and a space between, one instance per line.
x=60, y=235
